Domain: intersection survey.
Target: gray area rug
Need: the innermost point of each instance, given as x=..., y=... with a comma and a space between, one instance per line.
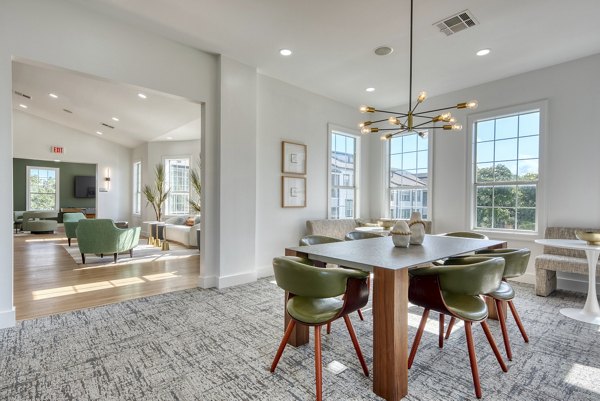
x=217, y=345
x=143, y=253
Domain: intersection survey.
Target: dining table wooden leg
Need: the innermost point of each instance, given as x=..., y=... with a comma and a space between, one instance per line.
x=390, y=333
x=300, y=333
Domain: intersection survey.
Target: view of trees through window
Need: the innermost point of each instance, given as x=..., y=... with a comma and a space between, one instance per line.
x=42, y=185
x=507, y=171
x=409, y=165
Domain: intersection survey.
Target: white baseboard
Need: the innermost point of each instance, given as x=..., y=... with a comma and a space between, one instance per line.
x=207, y=281
x=573, y=284
x=236, y=279
x=527, y=278
x=8, y=318
x=264, y=271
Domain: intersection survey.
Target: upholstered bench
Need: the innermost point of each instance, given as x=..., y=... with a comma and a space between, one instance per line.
x=558, y=259
x=338, y=228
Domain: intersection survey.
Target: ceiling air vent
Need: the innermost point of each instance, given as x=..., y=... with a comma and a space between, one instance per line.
x=456, y=23
x=107, y=126
x=22, y=95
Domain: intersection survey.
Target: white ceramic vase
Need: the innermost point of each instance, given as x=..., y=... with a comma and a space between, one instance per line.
x=417, y=229
x=401, y=240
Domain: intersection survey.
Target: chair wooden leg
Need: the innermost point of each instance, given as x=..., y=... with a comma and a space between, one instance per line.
x=360, y=315
x=490, y=338
x=329, y=328
x=473, y=359
x=115, y=256
x=101, y=255
x=356, y=345
x=450, y=326
x=318, y=363
x=284, y=341
x=518, y=320
x=502, y=320
x=131, y=253
x=68, y=239
x=413, y=350
x=441, y=335
x=83, y=258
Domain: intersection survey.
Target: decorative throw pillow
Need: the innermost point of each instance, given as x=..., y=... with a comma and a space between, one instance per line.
x=189, y=221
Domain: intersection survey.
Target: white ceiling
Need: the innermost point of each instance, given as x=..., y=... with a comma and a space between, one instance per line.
x=333, y=40
x=159, y=117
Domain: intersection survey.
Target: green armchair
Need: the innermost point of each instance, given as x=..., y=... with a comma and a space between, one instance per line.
x=70, y=221
x=18, y=220
x=101, y=236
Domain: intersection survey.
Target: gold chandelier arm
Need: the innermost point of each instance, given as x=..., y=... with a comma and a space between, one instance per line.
x=435, y=110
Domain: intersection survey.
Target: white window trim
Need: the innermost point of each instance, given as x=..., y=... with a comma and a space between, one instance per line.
x=356, y=134
x=135, y=163
x=386, y=149
x=27, y=192
x=541, y=218
x=170, y=157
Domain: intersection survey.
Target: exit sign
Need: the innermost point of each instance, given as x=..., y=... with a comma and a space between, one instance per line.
x=57, y=149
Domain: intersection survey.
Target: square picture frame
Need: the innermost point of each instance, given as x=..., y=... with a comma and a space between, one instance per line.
x=293, y=158
x=293, y=191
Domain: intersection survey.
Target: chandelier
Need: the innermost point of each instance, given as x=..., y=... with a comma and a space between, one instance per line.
x=413, y=121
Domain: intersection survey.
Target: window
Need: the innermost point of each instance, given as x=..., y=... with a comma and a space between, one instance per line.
x=342, y=170
x=42, y=188
x=177, y=172
x=409, y=176
x=506, y=170
x=137, y=187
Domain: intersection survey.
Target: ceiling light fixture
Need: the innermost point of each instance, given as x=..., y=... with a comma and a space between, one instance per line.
x=285, y=52
x=483, y=52
x=405, y=122
x=383, y=50
x=142, y=96
x=98, y=132
x=370, y=89
x=53, y=95
x=115, y=119
x=24, y=106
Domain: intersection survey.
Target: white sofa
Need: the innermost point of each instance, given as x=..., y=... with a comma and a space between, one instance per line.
x=177, y=231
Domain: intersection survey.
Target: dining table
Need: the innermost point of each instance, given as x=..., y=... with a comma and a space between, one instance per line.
x=390, y=266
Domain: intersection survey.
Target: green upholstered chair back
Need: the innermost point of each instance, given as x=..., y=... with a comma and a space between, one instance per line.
x=305, y=280
x=466, y=234
x=356, y=235
x=71, y=221
x=101, y=236
x=18, y=216
x=472, y=275
x=70, y=217
x=317, y=239
x=516, y=260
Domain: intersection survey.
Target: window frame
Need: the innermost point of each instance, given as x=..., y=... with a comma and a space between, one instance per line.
x=331, y=129
x=540, y=213
x=168, y=212
x=28, y=191
x=137, y=188
x=387, y=150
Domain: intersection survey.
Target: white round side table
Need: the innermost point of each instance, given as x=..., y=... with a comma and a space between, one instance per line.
x=591, y=310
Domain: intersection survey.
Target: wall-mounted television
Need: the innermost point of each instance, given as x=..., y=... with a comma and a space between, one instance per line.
x=85, y=186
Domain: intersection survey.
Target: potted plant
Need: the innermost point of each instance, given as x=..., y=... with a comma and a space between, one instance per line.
x=156, y=194
x=197, y=187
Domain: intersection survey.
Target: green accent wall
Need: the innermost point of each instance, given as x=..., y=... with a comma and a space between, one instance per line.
x=67, y=174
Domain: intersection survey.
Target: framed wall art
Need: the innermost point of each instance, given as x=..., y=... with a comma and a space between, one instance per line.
x=293, y=191
x=293, y=158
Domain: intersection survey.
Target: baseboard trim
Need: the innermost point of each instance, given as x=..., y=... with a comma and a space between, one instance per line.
x=8, y=318
x=236, y=279
x=571, y=284
x=207, y=281
x=265, y=271
x=527, y=278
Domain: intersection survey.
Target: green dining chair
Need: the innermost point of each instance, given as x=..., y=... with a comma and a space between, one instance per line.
x=455, y=289
x=516, y=261
x=466, y=234
x=358, y=235
x=313, y=301
x=70, y=221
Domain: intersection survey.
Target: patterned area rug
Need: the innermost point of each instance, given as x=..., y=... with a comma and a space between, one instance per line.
x=143, y=253
x=217, y=345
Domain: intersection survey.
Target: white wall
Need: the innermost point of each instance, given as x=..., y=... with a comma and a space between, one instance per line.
x=286, y=112
x=570, y=179
x=64, y=34
x=33, y=137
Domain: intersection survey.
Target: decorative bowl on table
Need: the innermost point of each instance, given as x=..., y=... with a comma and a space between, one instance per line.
x=386, y=223
x=592, y=238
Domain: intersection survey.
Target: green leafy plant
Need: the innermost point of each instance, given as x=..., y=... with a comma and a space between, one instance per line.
x=156, y=194
x=197, y=187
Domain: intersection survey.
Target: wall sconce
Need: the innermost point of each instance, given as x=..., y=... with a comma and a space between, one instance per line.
x=107, y=181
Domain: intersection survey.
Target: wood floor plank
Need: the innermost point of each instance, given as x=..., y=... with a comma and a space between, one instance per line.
x=48, y=281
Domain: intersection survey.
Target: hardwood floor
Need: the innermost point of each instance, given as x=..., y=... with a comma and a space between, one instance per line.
x=48, y=281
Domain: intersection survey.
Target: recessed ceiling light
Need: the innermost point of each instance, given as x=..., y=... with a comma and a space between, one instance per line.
x=98, y=132
x=483, y=52
x=169, y=137
x=53, y=95
x=23, y=106
x=285, y=52
x=383, y=50
x=115, y=119
x=142, y=96
x=370, y=89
